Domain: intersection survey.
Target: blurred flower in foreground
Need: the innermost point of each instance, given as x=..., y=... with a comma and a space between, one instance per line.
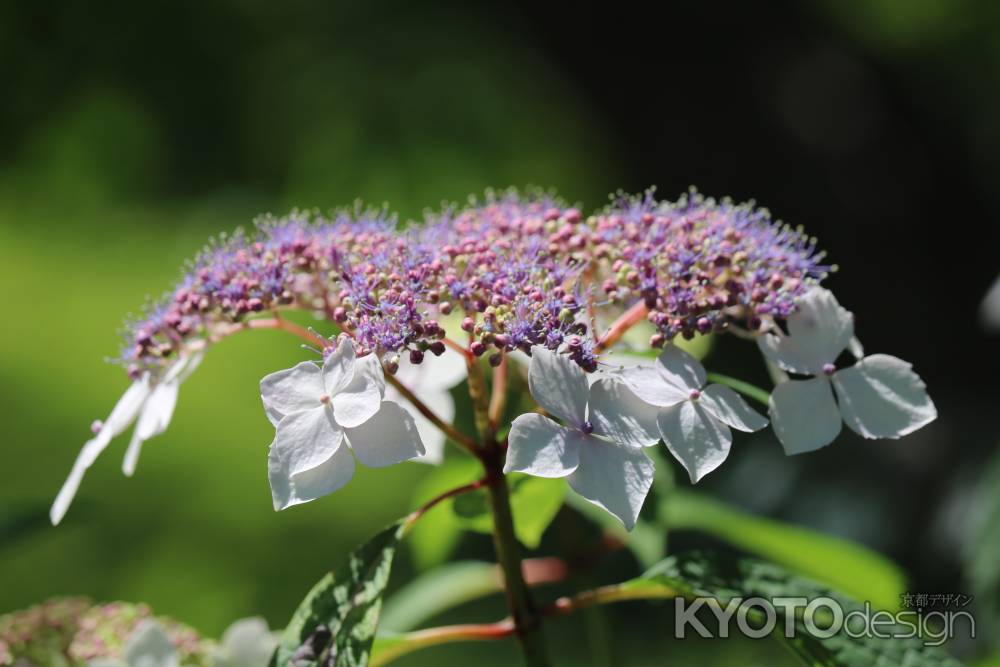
x=322, y=415
x=246, y=643
x=147, y=646
x=694, y=420
x=150, y=403
x=73, y=631
x=878, y=397
x=599, y=450
x=41, y=634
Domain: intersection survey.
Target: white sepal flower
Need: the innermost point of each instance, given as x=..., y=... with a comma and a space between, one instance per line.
x=322, y=415
x=147, y=402
x=431, y=381
x=878, y=397
x=599, y=450
x=245, y=643
x=694, y=420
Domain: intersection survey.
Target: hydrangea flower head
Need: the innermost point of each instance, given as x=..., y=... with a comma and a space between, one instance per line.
x=507, y=274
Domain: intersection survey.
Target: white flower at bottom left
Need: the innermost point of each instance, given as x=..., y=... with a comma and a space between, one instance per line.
x=324, y=418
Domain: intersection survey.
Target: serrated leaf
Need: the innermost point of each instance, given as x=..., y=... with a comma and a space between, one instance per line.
x=335, y=624
x=847, y=567
x=724, y=578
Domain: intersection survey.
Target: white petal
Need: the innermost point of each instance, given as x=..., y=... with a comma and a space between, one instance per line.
x=729, y=407
x=387, y=438
x=881, y=397
x=540, y=447
x=91, y=450
x=123, y=414
x=618, y=414
x=150, y=646
x=306, y=439
x=680, y=369
x=339, y=367
x=443, y=405
x=153, y=420
x=649, y=384
x=804, y=414
x=127, y=408
x=614, y=477
x=247, y=642
x=856, y=348
x=558, y=385
x=695, y=438
x=818, y=331
x=433, y=373
x=291, y=390
x=289, y=489
x=360, y=399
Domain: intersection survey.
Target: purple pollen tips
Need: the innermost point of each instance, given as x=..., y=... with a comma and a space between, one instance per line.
x=829, y=369
x=518, y=270
x=695, y=394
x=587, y=427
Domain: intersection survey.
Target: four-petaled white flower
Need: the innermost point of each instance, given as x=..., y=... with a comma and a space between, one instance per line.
x=148, y=402
x=878, y=397
x=599, y=450
x=430, y=381
x=693, y=419
x=322, y=415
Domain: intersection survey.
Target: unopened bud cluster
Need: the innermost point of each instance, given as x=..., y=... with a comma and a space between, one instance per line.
x=516, y=271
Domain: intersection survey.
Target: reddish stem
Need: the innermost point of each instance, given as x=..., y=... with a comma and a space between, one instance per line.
x=625, y=321
x=426, y=507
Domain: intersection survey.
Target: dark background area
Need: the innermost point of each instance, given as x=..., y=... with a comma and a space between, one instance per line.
x=129, y=133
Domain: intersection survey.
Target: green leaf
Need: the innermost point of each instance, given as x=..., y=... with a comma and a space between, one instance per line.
x=845, y=566
x=981, y=553
x=432, y=539
x=647, y=541
x=724, y=578
x=437, y=591
x=534, y=501
x=335, y=624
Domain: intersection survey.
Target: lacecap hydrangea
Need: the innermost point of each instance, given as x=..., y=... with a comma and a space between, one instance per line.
x=508, y=272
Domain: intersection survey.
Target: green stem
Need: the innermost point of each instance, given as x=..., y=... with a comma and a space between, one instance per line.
x=479, y=394
x=745, y=388
x=525, y=616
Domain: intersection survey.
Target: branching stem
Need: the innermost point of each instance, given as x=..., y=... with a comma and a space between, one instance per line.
x=406, y=643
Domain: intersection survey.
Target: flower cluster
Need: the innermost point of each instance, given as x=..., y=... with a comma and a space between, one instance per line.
x=531, y=277
x=520, y=270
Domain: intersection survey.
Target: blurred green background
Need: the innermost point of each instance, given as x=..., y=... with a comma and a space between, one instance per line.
x=129, y=134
